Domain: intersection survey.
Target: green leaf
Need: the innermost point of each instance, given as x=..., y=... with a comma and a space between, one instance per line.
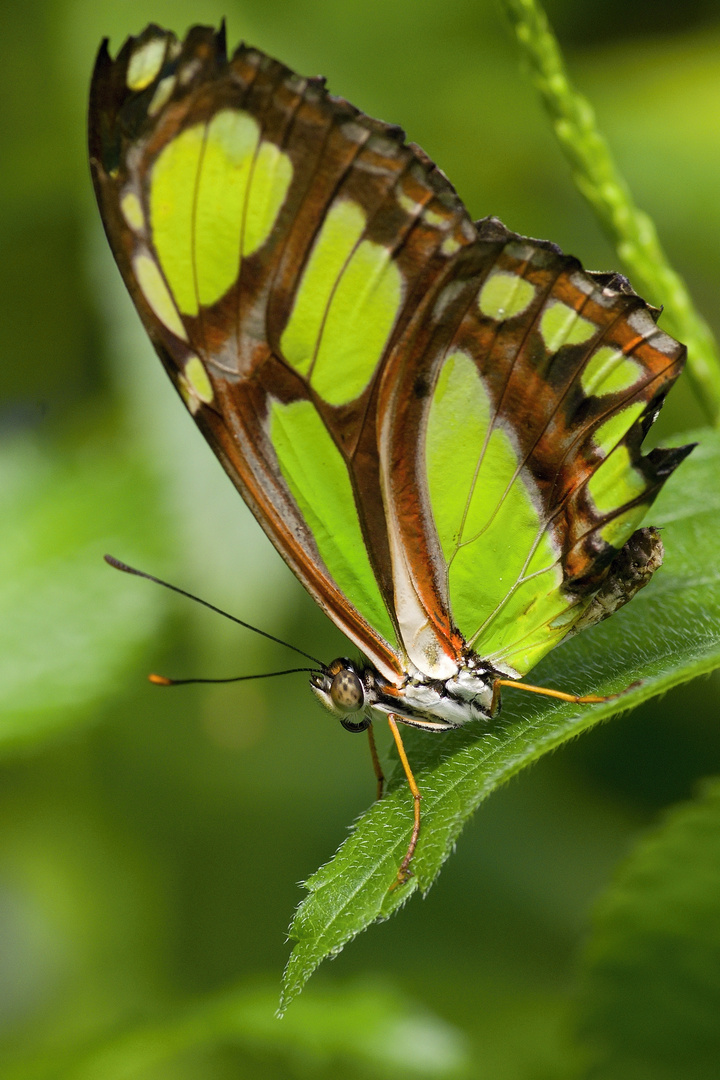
x=651, y=1001
x=69, y=627
x=667, y=635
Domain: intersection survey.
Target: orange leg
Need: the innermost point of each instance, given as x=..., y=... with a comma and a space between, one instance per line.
x=404, y=872
x=376, y=763
x=587, y=699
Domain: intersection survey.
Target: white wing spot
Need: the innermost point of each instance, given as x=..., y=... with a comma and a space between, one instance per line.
x=145, y=63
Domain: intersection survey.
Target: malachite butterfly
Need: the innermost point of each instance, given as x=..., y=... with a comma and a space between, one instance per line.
x=436, y=421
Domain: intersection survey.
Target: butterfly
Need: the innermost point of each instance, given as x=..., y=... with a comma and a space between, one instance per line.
x=437, y=422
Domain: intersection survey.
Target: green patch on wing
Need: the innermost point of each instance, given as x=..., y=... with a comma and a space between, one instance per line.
x=616, y=481
x=317, y=476
x=609, y=371
x=216, y=191
x=609, y=434
x=503, y=296
x=345, y=308
x=505, y=579
x=171, y=213
x=503, y=573
x=152, y=285
x=561, y=325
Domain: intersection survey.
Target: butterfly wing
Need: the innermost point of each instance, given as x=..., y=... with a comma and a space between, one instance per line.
x=532, y=384
x=274, y=241
x=438, y=428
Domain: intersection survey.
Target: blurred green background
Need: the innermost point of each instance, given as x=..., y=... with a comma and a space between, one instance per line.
x=152, y=841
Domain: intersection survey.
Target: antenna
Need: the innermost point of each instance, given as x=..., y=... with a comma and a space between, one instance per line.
x=111, y=561
x=162, y=680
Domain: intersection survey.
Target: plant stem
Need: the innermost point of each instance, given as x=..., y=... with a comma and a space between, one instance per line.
x=598, y=179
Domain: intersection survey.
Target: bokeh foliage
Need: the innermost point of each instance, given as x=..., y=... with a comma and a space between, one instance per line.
x=151, y=841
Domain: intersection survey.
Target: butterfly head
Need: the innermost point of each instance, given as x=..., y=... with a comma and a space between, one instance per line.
x=342, y=689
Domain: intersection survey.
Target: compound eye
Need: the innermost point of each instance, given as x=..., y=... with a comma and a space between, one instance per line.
x=346, y=692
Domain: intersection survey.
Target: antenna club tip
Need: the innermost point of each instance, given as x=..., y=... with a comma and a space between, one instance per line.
x=112, y=561
x=160, y=680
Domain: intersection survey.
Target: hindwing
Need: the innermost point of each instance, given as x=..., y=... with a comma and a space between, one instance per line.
x=533, y=384
x=436, y=422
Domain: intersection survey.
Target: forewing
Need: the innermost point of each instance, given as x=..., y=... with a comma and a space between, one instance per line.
x=511, y=419
x=276, y=243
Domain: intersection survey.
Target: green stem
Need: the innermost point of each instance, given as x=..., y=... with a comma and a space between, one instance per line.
x=598, y=179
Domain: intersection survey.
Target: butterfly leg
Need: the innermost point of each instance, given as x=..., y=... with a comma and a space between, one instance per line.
x=404, y=872
x=585, y=699
x=379, y=775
